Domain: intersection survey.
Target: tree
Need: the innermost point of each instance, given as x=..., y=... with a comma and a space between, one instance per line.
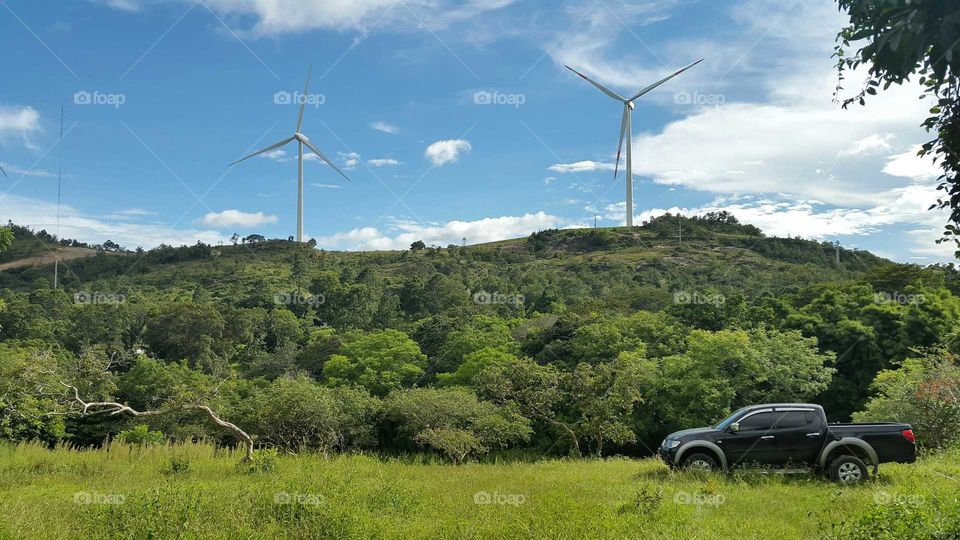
x=905, y=38
x=924, y=392
x=253, y=239
x=603, y=397
x=296, y=413
x=6, y=238
x=454, y=422
x=380, y=362
x=533, y=389
x=235, y=238
x=418, y=246
x=86, y=387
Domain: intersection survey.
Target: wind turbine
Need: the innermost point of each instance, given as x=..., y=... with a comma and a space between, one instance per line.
x=626, y=127
x=302, y=141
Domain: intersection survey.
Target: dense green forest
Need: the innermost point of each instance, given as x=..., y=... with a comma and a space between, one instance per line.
x=588, y=341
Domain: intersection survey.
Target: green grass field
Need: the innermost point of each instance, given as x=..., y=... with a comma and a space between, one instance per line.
x=197, y=491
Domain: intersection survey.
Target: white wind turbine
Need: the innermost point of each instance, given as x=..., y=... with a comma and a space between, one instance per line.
x=626, y=127
x=302, y=141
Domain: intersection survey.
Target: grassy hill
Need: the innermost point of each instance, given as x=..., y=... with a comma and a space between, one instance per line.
x=728, y=257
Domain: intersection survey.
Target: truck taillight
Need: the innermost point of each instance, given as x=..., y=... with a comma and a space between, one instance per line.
x=908, y=435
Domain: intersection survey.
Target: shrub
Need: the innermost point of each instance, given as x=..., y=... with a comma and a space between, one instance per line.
x=141, y=436
x=295, y=413
x=454, y=422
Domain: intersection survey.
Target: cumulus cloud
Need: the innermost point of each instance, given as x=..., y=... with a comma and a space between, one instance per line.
x=400, y=234
x=350, y=159
x=19, y=122
x=581, y=166
x=385, y=127
x=236, y=218
x=442, y=152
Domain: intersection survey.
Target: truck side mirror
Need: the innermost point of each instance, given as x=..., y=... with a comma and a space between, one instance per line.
x=735, y=427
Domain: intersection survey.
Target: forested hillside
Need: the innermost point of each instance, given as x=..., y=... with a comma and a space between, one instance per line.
x=572, y=341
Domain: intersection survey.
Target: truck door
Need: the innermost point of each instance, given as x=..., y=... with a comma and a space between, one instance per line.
x=799, y=435
x=754, y=442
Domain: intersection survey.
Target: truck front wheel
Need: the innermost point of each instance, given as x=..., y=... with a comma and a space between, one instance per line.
x=700, y=462
x=848, y=470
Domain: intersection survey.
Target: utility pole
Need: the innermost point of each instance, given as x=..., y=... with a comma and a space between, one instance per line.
x=594, y=221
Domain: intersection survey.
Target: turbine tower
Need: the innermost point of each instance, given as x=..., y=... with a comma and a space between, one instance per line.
x=626, y=128
x=302, y=141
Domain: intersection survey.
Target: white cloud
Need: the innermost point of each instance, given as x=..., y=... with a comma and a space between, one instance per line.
x=448, y=151
x=385, y=127
x=97, y=229
x=277, y=155
x=19, y=122
x=911, y=165
x=383, y=162
x=274, y=17
x=124, y=5
x=581, y=166
x=869, y=145
x=326, y=186
x=19, y=171
x=350, y=159
x=236, y=218
x=404, y=233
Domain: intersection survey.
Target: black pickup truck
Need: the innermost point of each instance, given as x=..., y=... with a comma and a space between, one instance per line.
x=791, y=435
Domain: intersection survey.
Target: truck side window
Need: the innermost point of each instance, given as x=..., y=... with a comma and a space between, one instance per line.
x=756, y=422
x=793, y=419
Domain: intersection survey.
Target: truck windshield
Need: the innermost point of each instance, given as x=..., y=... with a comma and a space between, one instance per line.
x=729, y=420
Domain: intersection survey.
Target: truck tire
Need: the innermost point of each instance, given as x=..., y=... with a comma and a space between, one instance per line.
x=699, y=461
x=848, y=470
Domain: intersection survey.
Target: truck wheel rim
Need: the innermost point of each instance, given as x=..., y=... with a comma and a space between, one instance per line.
x=700, y=465
x=849, y=472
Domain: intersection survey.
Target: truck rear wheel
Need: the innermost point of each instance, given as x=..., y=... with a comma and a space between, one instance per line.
x=848, y=470
x=700, y=462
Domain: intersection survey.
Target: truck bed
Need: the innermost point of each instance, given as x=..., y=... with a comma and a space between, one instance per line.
x=886, y=438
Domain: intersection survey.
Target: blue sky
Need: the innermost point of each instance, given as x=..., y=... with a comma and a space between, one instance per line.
x=453, y=119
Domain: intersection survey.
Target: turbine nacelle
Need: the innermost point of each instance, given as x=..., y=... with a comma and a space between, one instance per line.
x=630, y=104
x=301, y=137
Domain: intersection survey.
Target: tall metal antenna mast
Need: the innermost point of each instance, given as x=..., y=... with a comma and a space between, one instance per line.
x=56, y=259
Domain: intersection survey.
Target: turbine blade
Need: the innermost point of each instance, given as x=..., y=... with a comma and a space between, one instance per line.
x=319, y=154
x=665, y=79
x=623, y=130
x=599, y=86
x=4, y=172
x=303, y=98
x=258, y=152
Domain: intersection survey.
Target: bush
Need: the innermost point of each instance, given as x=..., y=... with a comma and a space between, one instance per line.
x=454, y=422
x=296, y=413
x=141, y=436
x=263, y=461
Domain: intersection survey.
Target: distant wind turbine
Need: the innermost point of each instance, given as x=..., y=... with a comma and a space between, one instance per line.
x=302, y=141
x=626, y=126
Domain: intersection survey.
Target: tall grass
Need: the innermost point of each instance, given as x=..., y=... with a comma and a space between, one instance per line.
x=198, y=490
